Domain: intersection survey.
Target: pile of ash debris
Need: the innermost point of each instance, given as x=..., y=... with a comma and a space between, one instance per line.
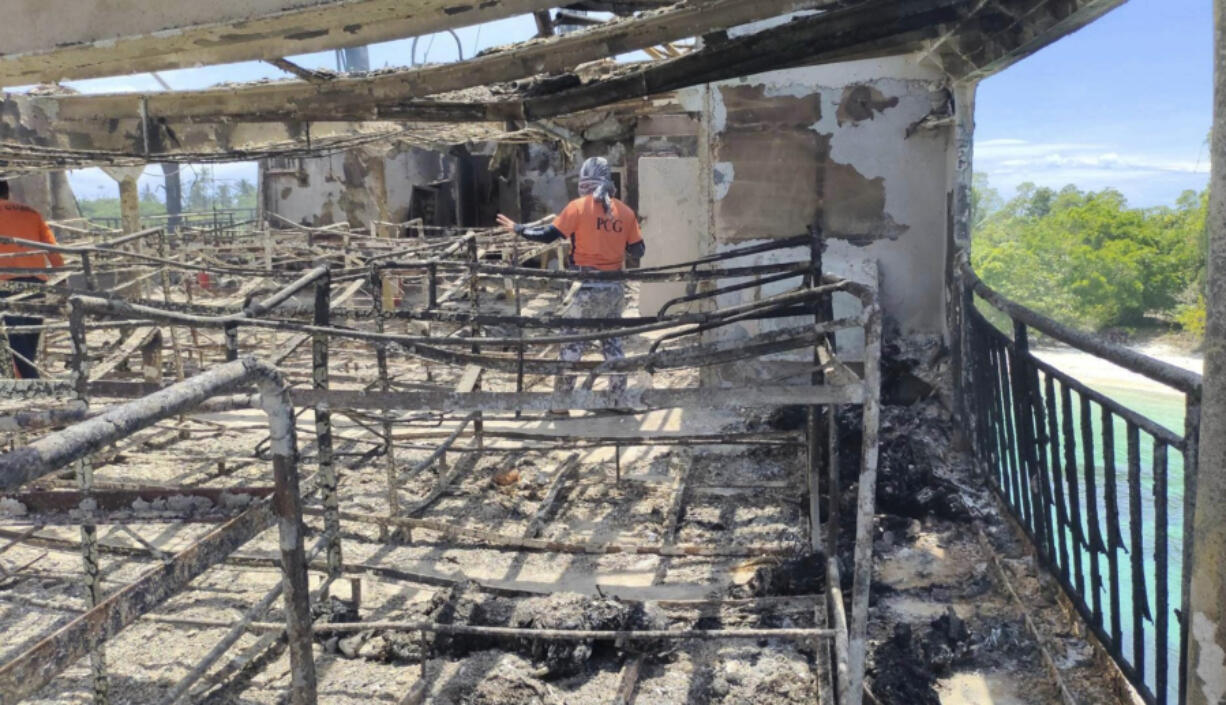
x=926, y=487
x=905, y=668
x=466, y=604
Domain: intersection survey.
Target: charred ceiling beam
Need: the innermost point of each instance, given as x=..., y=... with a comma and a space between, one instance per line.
x=1003, y=32
x=86, y=40
x=310, y=75
x=807, y=40
x=826, y=36
x=872, y=28
x=617, y=7
x=361, y=96
x=875, y=28
x=30, y=139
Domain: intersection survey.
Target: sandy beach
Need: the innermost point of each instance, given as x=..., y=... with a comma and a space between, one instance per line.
x=1099, y=373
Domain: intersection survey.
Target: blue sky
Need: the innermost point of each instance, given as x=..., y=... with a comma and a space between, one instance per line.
x=1123, y=103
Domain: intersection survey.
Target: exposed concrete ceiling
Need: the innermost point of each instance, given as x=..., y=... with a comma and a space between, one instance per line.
x=51, y=40
x=967, y=38
x=361, y=96
x=1002, y=32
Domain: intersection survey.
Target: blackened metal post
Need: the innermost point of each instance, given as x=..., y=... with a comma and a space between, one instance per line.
x=1057, y=479
x=1074, y=500
x=474, y=288
x=865, y=502
x=328, y=480
x=1162, y=606
x=87, y=269
x=1096, y=546
x=287, y=504
x=519, y=351
x=432, y=286
x=1140, y=600
x=1027, y=455
x=393, y=491
x=814, y=446
x=231, y=330
x=1114, y=538
x=174, y=338
x=85, y=483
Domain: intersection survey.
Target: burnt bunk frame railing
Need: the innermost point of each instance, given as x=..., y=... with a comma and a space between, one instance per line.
x=810, y=299
x=1029, y=422
x=27, y=672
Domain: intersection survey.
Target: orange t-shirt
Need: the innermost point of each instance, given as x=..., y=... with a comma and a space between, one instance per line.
x=598, y=239
x=24, y=223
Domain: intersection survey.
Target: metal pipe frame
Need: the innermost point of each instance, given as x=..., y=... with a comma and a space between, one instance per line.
x=469, y=269
x=25, y=673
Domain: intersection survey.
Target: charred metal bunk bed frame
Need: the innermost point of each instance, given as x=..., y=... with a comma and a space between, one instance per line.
x=460, y=267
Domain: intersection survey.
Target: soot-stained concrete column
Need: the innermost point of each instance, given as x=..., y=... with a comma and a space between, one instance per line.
x=1205, y=659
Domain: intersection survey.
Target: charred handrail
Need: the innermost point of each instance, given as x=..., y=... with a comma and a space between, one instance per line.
x=781, y=244
x=800, y=270
x=82, y=249
x=259, y=308
x=621, y=275
x=24, y=674
x=86, y=252
x=113, y=306
x=1172, y=376
x=138, y=235
x=1075, y=479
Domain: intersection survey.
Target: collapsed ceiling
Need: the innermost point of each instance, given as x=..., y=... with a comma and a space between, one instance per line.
x=483, y=97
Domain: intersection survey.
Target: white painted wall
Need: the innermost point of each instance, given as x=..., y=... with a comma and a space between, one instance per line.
x=910, y=241
x=672, y=208
x=322, y=193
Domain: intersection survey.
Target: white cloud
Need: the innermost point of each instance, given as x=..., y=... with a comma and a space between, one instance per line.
x=1014, y=154
x=1015, y=148
x=1145, y=178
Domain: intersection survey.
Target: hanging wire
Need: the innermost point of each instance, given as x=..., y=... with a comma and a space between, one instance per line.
x=459, y=47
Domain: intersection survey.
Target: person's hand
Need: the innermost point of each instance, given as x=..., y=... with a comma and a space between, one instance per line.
x=506, y=222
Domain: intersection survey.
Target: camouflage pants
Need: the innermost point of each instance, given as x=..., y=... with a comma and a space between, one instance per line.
x=600, y=300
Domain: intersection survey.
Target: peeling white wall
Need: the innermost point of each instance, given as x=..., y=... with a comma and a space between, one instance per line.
x=356, y=185
x=878, y=194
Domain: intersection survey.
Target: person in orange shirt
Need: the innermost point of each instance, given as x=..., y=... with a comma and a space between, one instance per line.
x=602, y=231
x=22, y=222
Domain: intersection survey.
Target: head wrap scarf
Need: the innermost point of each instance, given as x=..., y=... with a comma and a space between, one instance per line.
x=595, y=180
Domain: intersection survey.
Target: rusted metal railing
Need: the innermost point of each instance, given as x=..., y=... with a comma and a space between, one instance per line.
x=1104, y=493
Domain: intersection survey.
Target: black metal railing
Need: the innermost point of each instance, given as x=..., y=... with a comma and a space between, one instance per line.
x=1103, y=491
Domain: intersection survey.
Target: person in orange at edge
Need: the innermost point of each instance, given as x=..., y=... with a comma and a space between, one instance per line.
x=22, y=222
x=602, y=231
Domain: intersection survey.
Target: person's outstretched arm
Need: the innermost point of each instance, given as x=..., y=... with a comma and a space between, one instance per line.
x=544, y=234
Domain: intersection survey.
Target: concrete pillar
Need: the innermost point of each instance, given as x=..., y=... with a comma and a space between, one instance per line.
x=129, y=212
x=129, y=194
x=1205, y=659
x=959, y=244
x=63, y=201
x=129, y=205
x=174, y=195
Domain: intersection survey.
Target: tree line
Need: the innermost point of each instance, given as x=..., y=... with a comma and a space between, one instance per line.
x=203, y=194
x=1087, y=259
